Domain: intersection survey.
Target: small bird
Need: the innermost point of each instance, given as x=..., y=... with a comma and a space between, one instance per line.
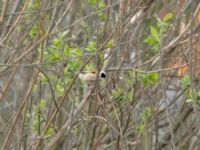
x=91, y=76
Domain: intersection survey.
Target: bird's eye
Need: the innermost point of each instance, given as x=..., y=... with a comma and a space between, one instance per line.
x=102, y=74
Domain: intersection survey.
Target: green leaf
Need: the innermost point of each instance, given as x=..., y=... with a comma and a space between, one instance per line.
x=118, y=95
x=130, y=96
x=53, y=54
x=63, y=34
x=91, y=1
x=149, y=79
x=66, y=51
x=153, y=76
x=146, y=114
x=168, y=17
x=89, y=67
x=34, y=30
x=141, y=128
x=189, y=100
x=91, y=47
x=57, y=42
x=185, y=81
x=33, y=5
x=155, y=48
x=154, y=33
x=77, y=51
x=110, y=43
x=43, y=78
x=49, y=131
x=59, y=89
x=101, y=5
x=42, y=104
x=116, y=92
x=149, y=40
x=102, y=16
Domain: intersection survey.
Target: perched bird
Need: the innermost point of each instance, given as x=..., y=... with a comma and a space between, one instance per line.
x=91, y=76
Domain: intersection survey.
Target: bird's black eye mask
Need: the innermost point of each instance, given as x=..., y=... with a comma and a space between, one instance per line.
x=102, y=74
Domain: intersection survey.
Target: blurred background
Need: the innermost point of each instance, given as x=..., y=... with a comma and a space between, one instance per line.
x=149, y=49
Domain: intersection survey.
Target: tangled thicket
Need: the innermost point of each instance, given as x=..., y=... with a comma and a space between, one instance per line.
x=149, y=49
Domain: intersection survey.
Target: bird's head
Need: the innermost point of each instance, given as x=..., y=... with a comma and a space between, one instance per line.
x=92, y=76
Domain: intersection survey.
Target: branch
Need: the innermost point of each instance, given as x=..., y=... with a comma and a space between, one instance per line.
x=62, y=131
